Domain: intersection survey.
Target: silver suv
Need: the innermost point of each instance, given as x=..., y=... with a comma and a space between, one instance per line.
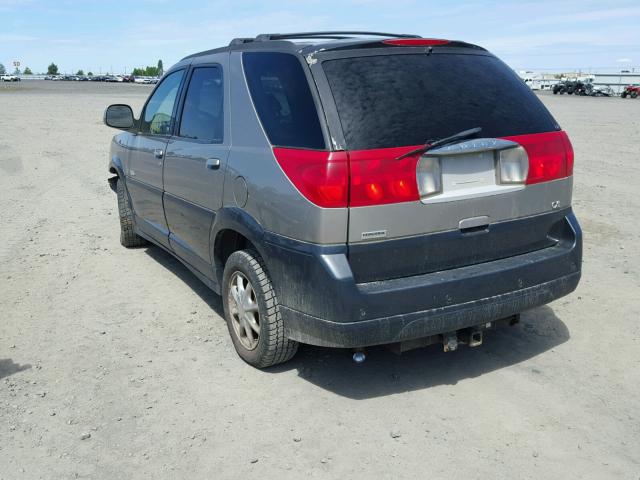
x=348, y=189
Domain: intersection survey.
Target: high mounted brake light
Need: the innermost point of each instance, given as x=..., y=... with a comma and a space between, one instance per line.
x=416, y=42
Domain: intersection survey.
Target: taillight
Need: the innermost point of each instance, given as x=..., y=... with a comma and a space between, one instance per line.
x=361, y=178
x=322, y=177
x=550, y=155
x=568, y=148
x=378, y=178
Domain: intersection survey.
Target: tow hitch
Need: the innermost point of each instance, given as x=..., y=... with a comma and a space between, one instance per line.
x=472, y=337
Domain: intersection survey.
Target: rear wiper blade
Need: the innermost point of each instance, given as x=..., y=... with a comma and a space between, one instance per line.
x=443, y=141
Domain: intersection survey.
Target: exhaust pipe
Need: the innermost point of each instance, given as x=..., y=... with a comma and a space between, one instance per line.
x=450, y=341
x=359, y=356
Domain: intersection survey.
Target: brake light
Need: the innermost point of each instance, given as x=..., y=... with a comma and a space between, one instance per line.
x=550, y=155
x=322, y=177
x=568, y=149
x=378, y=178
x=416, y=42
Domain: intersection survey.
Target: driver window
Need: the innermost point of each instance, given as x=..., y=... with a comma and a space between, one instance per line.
x=158, y=114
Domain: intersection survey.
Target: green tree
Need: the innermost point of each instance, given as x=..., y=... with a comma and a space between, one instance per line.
x=27, y=71
x=147, y=71
x=80, y=73
x=2, y=70
x=89, y=74
x=52, y=69
x=160, y=68
x=16, y=72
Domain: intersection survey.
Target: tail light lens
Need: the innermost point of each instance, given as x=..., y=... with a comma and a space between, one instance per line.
x=322, y=177
x=378, y=178
x=568, y=149
x=550, y=155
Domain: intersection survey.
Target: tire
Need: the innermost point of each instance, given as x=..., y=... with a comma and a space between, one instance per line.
x=623, y=94
x=128, y=237
x=634, y=95
x=271, y=347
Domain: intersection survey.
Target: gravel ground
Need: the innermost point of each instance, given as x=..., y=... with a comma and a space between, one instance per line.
x=116, y=364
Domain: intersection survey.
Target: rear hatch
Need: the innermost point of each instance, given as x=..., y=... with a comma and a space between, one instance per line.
x=500, y=193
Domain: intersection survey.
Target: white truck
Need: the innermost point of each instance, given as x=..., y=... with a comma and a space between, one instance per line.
x=9, y=78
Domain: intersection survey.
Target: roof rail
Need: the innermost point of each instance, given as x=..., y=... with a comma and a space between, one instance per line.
x=240, y=41
x=333, y=35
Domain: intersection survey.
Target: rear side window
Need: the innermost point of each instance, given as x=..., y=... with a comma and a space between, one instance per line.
x=202, y=113
x=158, y=114
x=399, y=100
x=281, y=96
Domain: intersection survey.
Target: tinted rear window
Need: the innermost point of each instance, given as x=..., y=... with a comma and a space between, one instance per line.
x=281, y=95
x=398, y=100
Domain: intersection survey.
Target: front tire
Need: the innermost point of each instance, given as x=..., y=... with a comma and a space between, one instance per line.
x=128, y=237
x=252, y=312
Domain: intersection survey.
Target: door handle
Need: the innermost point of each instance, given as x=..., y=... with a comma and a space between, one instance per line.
x=158, y=153
x=213, y=163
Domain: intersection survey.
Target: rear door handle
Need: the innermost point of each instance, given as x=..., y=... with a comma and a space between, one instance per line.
x=158, y=153
x=213, y=163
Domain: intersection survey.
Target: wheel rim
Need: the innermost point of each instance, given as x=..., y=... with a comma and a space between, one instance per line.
x=243, y=308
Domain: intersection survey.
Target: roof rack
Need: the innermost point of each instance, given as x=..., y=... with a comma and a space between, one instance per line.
x=329, y=35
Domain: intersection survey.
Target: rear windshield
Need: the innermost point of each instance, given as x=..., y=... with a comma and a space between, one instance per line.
x=398, y=100
x=281, y=95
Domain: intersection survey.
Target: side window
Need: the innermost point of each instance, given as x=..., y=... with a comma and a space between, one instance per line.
x=281, y=95
x=202, y=113
x=158, y=114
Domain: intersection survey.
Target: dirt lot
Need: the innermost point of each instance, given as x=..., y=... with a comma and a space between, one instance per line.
x=116, y=364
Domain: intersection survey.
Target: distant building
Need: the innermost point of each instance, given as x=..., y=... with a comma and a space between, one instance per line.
x=539, y=81
x=617, y=81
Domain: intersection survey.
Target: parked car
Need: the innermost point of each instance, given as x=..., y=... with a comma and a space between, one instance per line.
x=9, y=78
x=348, y=190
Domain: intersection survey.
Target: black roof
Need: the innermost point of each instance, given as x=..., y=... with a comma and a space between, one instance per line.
x=310, y=42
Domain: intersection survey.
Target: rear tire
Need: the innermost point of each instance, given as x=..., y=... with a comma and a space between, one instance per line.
x=252, y=312
x=634, y=95
x=128, y=237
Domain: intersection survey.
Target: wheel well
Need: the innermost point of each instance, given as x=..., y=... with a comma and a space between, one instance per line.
x=227, y=242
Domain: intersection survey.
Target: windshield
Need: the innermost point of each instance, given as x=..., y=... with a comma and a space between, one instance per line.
x=398, y=100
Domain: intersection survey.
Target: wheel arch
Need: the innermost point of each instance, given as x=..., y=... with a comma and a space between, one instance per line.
x=116, y=169
x=233, y=229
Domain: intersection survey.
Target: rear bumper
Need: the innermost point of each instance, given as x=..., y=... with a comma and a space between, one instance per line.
x=321, y=303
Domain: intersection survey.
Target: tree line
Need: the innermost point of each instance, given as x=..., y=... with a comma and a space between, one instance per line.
x=52, y=69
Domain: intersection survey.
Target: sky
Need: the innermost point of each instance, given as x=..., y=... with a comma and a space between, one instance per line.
x=115, y=36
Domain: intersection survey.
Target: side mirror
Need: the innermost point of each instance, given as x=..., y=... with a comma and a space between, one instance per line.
x=119, y=116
